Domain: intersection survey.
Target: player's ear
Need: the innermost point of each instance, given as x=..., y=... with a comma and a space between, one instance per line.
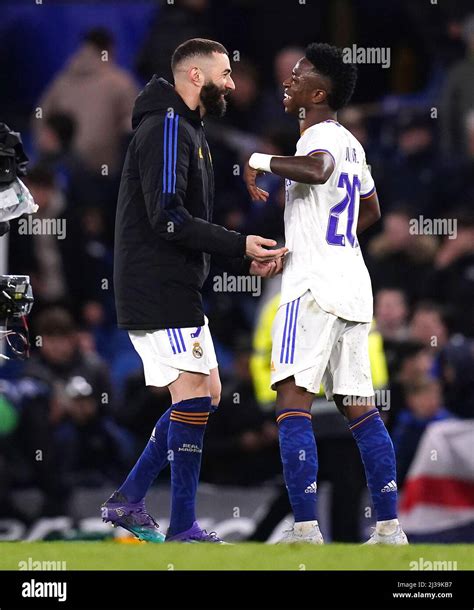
x=318, y=96
x=195, y=76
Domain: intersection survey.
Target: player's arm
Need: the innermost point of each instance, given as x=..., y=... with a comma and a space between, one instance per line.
x=315, y=168
x=369, y=211
x=164, y=180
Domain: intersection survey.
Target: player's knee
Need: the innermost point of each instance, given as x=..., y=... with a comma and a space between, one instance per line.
x=352, y=407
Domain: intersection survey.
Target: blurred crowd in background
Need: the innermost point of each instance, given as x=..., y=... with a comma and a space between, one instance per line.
x=80, y=399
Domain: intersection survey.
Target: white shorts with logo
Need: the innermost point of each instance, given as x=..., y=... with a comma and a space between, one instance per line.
x=316, y=347
x=167, y=353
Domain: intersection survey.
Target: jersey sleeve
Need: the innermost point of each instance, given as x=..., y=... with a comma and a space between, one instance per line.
x=317, y=140
x=367, y=184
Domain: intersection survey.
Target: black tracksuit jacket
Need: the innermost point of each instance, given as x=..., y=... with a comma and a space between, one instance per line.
x=163, y=233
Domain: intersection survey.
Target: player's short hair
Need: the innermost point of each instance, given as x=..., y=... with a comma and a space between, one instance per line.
x=329, y=61
x=194, y=47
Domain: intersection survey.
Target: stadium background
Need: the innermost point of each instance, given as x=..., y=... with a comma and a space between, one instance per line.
x=74, y=417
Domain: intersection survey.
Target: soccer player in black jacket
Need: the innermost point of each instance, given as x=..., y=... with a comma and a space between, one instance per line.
x=163, y=241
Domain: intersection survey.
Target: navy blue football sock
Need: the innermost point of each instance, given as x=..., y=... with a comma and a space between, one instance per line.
x=378, y=457
x=300, y=461
x=185, y=439
x=151, y=462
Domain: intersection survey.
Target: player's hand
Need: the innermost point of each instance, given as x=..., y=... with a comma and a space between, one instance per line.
x=250, y=178
x=269, y=269
x=255, y=249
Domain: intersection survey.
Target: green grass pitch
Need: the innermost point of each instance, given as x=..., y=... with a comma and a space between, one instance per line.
x=246, y=556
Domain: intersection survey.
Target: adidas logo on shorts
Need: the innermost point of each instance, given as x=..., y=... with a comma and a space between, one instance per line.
x=311, y=489
x=392, y=486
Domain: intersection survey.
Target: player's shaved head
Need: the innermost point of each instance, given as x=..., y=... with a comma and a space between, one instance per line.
x=195, y=48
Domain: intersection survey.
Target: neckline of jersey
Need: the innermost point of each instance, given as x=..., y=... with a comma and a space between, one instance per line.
x=326, y=121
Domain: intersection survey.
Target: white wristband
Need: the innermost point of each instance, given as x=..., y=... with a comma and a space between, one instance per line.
x=261, y=162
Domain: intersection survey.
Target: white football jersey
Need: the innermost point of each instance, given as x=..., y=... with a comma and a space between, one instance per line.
x=320, y=227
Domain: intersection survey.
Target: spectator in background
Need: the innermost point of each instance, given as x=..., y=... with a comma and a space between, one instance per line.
x=457, y=375
x=391, y=317
x=174, y=23
x=451, y=281
x=413, y=173
x=391, y=314
x=283, y=65
x=244, y=109
x=99, y=96
x=92, y=448
x=424, y=406
x=54, y=137
x=40, y=466
x=427, y=326
x=408, y=361
x=88, y=263
x=458, y=98
x=54, y=147
x=37, y=252
x=399, y=258
x=60, y=358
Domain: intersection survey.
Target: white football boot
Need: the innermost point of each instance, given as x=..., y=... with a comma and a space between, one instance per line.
x=306, y=531
x=388, y=532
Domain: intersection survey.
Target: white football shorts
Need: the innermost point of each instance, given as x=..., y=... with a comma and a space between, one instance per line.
x=315, y=347
x=167, y=353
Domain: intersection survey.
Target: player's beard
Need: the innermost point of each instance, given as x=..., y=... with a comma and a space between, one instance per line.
x=213, y=102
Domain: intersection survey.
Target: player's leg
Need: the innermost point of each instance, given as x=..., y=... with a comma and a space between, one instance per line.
x=299, y=459
x=126, y=506
x=194, y=396
x=302, y=338
x=163, y=353
x=191, y=398
x=349, y=381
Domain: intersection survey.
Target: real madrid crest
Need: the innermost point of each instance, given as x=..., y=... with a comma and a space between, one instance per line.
x=197, y=350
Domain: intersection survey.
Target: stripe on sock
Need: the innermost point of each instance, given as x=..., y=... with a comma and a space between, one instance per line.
x=286, y=414
x=198, y=419
x=358, y=422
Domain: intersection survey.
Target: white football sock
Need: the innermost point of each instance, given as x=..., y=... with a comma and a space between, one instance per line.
x=304, y=527
x=386, y=528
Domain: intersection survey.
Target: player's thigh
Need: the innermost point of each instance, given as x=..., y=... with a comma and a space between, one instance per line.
x=215, y=386
x=291, y=396
x=189, y=385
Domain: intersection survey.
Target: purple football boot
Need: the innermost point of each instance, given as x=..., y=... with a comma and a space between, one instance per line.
x=132, y=517
x=195, y=534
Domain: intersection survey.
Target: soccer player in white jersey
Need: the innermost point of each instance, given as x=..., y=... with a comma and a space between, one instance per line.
x=320, y=333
